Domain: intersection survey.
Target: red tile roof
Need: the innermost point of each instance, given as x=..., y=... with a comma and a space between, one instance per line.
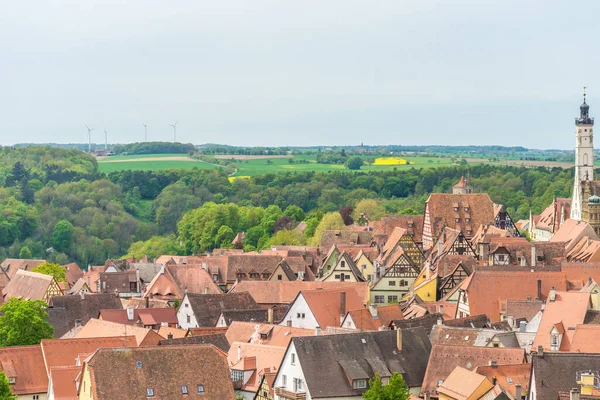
x=586, y=339
x=488, y=290
x=571, y=233
x=326, y=305
x=517, y=373
x=26, y=365
x=148, y=316
x=64, y=384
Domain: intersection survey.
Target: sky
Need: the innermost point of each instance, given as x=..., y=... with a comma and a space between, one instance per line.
x=298, y=73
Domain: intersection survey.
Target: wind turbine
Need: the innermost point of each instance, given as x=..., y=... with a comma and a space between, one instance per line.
x=145, y=132
x=174, y=131
x=89, y=138
x=105, y=140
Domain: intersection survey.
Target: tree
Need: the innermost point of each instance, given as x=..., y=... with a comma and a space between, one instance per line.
x=55, y=270
x=25, y=253
x=62, y=236
x=284, y=222
x=346, y=214
x=225, y=237
x=295, y=213
x=5, y=391
x=354, y=163
x=396, y=389
x=332, y=220
x=286, y=238
x=367, y=210
x=24, y=322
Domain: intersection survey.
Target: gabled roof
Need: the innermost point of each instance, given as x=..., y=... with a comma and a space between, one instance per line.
x=344, y=237
x=147, y=271
x=65, y=352
x=96, y=328
x=274, y=335
x=10, y=266
x=555, y=372
x=489, y=290
x=345, y=257
x=568, y=310
x=326, y=305
x=115, y=373
x=586, y=339
x=74, y=273
x=462, y=384
x=571, y=233
x=444, y=359
x=518, y=374
x=147, y=316
x=64, y=383
x=585, y=250
x=118, y=282
x=327, y=361
x=264, y=356
x=441, y=206
x=471, y=321
x=26, y=365
x=256, y=316
x=217, y=339
x=519, y=309
x=281, y=292
x=28, y=285
x=208, y=307
x=174, y=280
x=65, y=311
x=412, y=223
x=426, y=322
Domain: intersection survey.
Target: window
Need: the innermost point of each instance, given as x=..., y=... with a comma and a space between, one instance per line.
x=457, y=220
x=467, y=219
x=266, y=276
x=11, y=380
x=149, y=392
x=215, y=277
x=184, y=389
x=132, y=287
x=299, y=384
x=360, y=384
x=303, y=315
x=343, y=264
x=403, y=283
x=36, y=397
x=284, y=380
x=466, y=209
x=279, y=277
x=392, y=299
x=347, y=277
x=254, y=275
x=189, y=319
x=410, y=225
x=200, y=388
x=138, y=364
x=455, y=209
x=337, y=277
x=392, y=283
x=297, y=315
x=237, y=375
x=342, y=278
x=293, y=359
x=379, y=299
x=187, y=305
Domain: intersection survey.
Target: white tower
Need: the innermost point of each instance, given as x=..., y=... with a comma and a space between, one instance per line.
x=584, y=157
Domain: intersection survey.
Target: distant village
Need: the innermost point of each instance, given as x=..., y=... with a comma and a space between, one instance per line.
x=462, y=302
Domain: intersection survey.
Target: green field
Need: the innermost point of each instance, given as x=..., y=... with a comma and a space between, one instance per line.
x=253, y=166
x=149, y=162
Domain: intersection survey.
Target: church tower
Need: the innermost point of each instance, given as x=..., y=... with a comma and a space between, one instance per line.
x=584, y=157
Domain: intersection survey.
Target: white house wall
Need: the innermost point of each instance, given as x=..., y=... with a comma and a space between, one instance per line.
x=300, y=306
x=185, y=309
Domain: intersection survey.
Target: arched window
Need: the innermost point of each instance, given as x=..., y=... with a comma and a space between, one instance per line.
x=585, y=159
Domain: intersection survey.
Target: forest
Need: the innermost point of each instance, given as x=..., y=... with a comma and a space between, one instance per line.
x=54, y=204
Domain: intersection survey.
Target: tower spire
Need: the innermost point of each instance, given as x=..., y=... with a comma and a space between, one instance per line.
x=584, y=159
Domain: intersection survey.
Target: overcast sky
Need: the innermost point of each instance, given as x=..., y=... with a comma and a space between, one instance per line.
x=310, y=72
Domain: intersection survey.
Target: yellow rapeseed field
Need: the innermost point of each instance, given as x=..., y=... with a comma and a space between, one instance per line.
x=390, y=161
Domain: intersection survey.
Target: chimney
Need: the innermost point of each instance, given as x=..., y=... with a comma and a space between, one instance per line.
x=204, y=265
x=522, y=326
x=427, y=396
x=552, y=295
x=493, y=364
x=540, y=351
x=343, y=304
x=373, y=310
x=574, y=394
x=399, y=339
x=170, y=336
x=539, y=289
x=317, y=331
x=270, y=315
x=494, y=380
x=533, y=257
x=147, y=302
x=484, y=251
x=518, y=392
x=129, y=314
x=288, y=322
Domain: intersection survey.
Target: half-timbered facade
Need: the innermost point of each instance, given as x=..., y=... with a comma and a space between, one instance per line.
x=343, y=270
x=395, y=281
x=452, y=280
x=32, y=286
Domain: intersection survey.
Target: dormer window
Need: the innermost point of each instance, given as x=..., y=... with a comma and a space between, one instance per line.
x=466, y=209
x=11, y=380
x=359, y=383
x=455, y=209
x=457, y=219
x=410, y=224
x=215, y=277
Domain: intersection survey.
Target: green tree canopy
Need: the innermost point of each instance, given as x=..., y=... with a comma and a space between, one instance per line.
x=24, y=322
x=396, y=389
x=354, y=163
x=332, y=220
x=25, y=253
x=55, y=270
x=62, y=236
x=5, y=391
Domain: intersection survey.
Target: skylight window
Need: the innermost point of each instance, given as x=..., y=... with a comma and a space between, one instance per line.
x=509, y=380
x=200, y=388
x=149, y=392
x=184, y=389
x=138, y=364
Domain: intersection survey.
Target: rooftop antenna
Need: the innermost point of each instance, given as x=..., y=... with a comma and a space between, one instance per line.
x=89, y=138
x=145, y=132
x=105, y=140
x=174, y=131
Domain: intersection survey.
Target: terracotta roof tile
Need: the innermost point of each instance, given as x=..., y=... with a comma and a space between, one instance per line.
x=518, y=374
x=217, y=339
x=10, y=266
x=280, y=292
x=571, y=233
x=148, y=316
x=444, y=359
x=273, y=335
x=208, y=307
x=64, y=384
x=326, y=305
x=28, y=285
x=412, y=223
x=264, y=356
x=462, y=383
x=165, y=369
x=586, y=339
x=26, y=365
x=96, y=328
